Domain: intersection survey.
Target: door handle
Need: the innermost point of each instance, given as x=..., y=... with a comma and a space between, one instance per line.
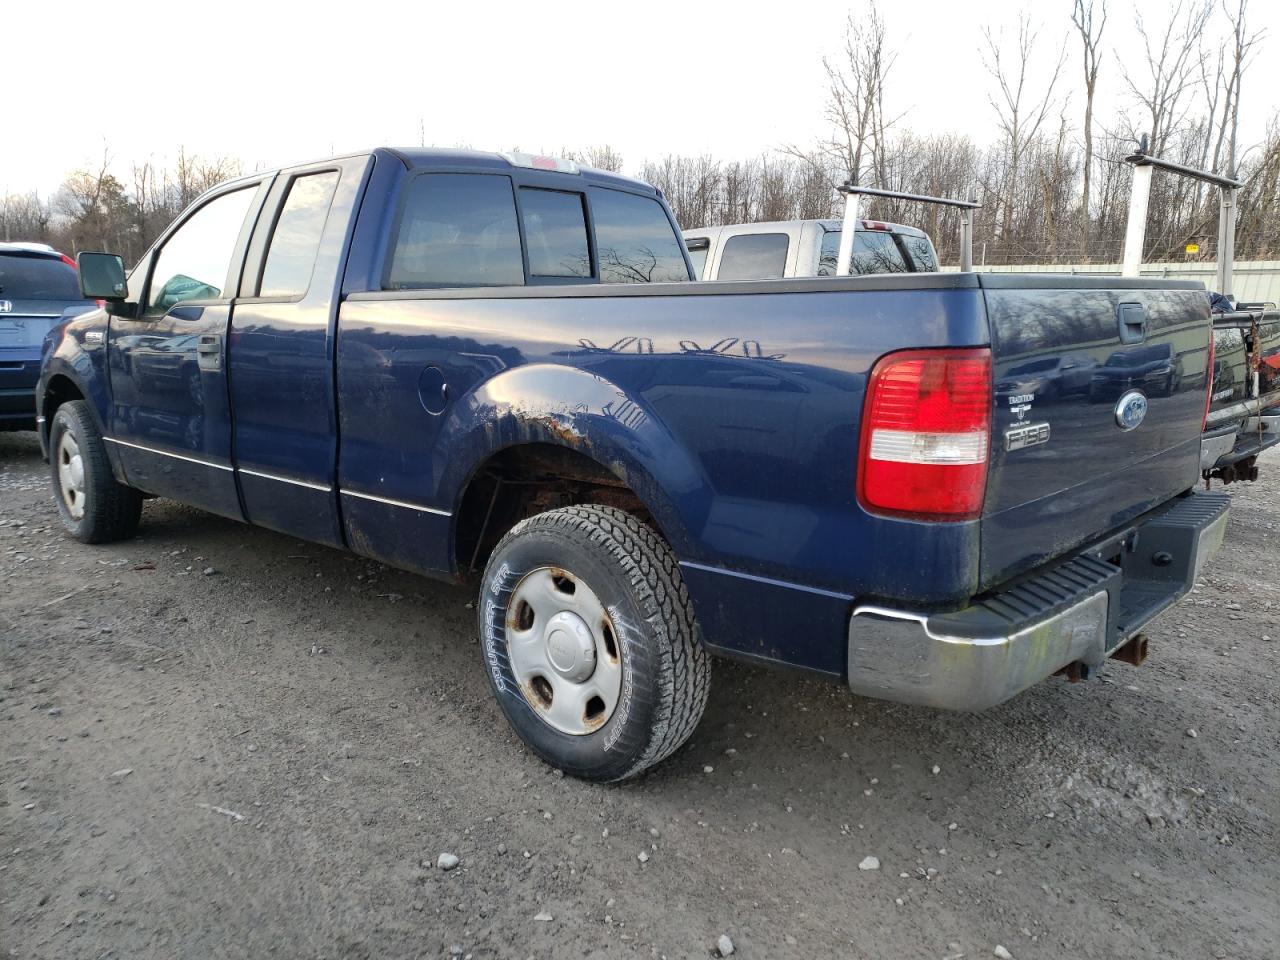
x=1132, y=319
x=209, y=352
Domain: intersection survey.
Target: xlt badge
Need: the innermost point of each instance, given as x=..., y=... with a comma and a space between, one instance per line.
x=1026, y=435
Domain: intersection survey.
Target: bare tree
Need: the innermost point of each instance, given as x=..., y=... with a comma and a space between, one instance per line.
x=1173, y=58
x=1090, y=27
x=603, y=157
x=195, y=174
x=1258, y=229
x=1242, y=47
x=856, y=83
x=23, y=216
x=1020, y=110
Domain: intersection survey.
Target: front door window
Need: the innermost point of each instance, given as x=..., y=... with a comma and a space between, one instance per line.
x=194, y=262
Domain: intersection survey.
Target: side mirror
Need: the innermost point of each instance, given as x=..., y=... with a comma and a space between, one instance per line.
x=102, y=276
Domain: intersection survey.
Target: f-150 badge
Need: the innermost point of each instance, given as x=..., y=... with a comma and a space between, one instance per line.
x=1025, y=435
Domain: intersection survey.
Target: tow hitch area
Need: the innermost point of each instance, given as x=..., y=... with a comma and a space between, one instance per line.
x=1134, y=652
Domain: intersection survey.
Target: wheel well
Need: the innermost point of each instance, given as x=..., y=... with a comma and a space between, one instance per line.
x=522, y=481
x=58, y=391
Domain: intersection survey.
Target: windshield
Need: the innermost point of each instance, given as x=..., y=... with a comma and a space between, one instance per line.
x=879, y=252
x=37, y=278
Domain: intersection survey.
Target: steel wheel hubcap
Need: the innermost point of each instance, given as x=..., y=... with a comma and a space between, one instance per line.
x=563, y=650
x=71, y=475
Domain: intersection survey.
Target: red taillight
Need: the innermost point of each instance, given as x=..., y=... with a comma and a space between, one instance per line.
x=1208, y=387
x=68, y=261
x=925, y=433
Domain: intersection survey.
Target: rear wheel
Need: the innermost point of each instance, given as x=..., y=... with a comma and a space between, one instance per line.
x=94, y=507
x=590, y=642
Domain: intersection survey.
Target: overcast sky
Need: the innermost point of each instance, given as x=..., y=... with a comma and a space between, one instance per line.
x=273, y=84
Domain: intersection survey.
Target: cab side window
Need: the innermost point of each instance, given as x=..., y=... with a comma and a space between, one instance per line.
x=457, y=230
x=296, y=238
x=194, y=262
x=699, y=247
x=636, y=241
x=754, y=256
x=555, y=230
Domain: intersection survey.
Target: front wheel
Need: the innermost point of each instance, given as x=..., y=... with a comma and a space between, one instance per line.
x=590, y=642
x=94, y=507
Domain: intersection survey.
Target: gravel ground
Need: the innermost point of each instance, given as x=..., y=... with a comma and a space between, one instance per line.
x=222, y=742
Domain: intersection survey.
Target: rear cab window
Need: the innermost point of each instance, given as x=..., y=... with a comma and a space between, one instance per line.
x=25, y=277
x=490, y=229
x=635, y=239
x=877, y=251
x=754, y=256
x=555, y=231
x=924, y=259
x=457, y=230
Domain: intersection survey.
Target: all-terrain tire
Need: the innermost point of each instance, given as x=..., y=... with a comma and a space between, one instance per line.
x=108, y=510
x=666, y=672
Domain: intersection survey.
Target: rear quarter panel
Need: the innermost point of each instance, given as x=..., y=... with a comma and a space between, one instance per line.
x=733, y=410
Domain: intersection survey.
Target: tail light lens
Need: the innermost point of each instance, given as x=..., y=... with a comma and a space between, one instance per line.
x=925, y=434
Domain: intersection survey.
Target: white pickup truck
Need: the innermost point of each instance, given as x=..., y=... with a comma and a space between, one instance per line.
x=805, y=248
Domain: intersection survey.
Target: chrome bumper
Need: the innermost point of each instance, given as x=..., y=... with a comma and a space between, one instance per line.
x=1081, y=610
x=1213, y=447
x=1268, y=422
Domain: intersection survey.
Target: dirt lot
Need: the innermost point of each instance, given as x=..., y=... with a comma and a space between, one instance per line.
x=221, y=742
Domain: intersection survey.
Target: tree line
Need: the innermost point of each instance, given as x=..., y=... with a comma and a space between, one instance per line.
x=94, y=209
x=1052, y=184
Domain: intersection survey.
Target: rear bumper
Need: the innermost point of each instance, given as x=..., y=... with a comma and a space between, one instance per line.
x=1222, y=449
x=1215, y=446
x=1082, y=609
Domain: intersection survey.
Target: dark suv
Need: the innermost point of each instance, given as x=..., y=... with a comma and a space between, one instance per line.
x=37, y=285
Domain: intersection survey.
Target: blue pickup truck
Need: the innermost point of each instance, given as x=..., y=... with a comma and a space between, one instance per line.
x=494, y=367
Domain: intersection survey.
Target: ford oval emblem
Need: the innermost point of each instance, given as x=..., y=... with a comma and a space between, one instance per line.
x=1131, y=410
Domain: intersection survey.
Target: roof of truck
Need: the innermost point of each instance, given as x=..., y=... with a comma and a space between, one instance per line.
x=782, y=226
x=422, y=158
x=415, y=158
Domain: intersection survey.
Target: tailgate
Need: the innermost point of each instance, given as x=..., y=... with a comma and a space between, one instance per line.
x=25, y=322
x=1246, y=366
x=1076, y=361
x=1232, y=383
